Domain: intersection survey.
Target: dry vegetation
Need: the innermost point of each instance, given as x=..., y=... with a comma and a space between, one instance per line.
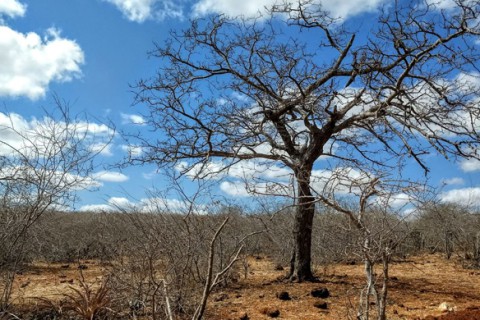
x=156, y=266
x=418, y=286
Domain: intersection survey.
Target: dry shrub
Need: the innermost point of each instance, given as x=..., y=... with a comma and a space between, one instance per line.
x=87, y=300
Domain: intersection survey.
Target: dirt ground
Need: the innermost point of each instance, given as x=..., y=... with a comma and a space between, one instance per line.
x=418, y=287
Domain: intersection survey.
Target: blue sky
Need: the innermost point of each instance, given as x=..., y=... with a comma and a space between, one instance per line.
x=88, y=52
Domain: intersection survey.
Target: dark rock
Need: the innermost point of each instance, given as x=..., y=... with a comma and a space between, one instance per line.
x=82, y=267
x=321, y=305
x=244, y=317
x=271, y=312
x=279, y=267
x=283, y=295
x=65, y=266
x=320, y=293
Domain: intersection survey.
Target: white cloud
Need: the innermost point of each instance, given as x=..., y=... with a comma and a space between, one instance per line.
x=142, y=10
x=340, y=181
x=234, y=189
x=34, y=137
x=248, y=169
x=399, y=200
x=30, y=63
x=239, y=188
x=249, y=8
x=113, y=204
x=147, y=205
x=442, y=4
x=120, y=203
x=232, y=7
x=110, y=176
x=132, y=119
x=12, y=8
x=134, y=151
x=470, y=165
x=453, y=181
x=95, y=208
x=469, y=197
x=102, y=148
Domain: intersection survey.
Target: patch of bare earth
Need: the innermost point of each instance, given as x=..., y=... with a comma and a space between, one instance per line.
x=50, y=281
x=417, y=288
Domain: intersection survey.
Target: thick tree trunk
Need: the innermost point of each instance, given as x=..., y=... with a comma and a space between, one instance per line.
x=301, y=269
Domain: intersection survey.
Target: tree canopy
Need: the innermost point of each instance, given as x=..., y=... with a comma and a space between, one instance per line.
x=297, y=85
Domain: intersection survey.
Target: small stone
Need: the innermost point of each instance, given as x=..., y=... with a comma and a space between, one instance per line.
x=279, y=267
x=271, y=312
x=283, y=295
x=321, y=305
x=445, y=307
x=244, y=316
x=320, y=293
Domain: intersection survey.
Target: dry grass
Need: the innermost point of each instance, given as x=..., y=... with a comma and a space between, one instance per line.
x=420, y=285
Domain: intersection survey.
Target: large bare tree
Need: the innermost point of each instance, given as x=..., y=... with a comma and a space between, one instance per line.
x=293, y=86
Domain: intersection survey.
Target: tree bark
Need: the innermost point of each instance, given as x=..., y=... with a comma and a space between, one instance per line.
x=301, y=269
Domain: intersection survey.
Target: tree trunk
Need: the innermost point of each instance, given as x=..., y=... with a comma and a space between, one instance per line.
x=301, y=269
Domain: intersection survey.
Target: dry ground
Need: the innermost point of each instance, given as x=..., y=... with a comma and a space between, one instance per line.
x=417, y=288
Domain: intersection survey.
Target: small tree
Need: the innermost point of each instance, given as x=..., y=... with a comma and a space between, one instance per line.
x=297, y=85
x=43, y=163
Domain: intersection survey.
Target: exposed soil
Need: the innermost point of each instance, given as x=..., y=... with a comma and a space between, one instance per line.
x=469, y=314
x=417, y=288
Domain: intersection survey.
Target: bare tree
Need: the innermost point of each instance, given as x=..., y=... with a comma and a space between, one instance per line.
x=43, y=164
x=294, y=86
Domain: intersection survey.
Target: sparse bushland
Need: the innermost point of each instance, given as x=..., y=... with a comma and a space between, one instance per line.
x=42, y=164
x=158, y=263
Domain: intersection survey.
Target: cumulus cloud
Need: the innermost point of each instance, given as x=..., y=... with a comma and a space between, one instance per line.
x=249, y=169
x=12, y=8
x=340, y=181
x=142, y=10
x=30, y=63
x=95, y=208
x=470, y=165
x=248, y=8
x=453, y=181
x=133, y=151
x=105, y=149
x=238, y=188
x=35, y=136
x=147, y=205
x=110, y=176
x=132, y=119
x=469, y=197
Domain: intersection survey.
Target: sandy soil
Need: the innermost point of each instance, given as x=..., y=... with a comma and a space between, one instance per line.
x=418, y=286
